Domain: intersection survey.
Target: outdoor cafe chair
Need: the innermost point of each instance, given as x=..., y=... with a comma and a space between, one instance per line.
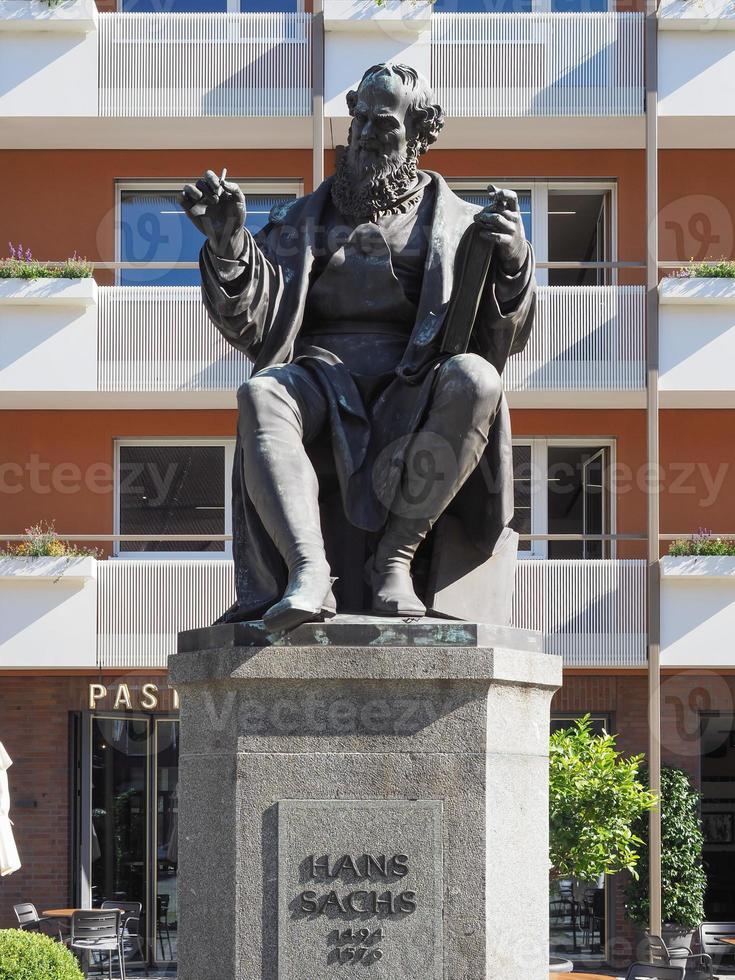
x=98, y=932
x=661, y=955
x=29, y=919
x=710, y=934
x=649, y=971
x=130, y=913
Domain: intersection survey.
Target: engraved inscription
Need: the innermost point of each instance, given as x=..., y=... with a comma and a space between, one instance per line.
x=360, y=887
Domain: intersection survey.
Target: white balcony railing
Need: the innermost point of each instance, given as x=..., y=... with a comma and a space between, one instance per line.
x=543, y=64
x=159, y=338
x=154, y=338
x=186, y=65
x=584, y=337
x=591, y=612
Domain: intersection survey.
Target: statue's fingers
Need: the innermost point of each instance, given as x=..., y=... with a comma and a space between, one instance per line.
x=205, y=189
x=190, y=195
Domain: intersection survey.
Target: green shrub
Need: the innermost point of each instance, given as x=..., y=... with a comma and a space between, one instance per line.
x=595, y=795
x=702, y=543
x=725, y=269
x=683, y=881
x=33, y=956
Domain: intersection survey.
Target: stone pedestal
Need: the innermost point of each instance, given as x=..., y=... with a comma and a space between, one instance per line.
x=364, y=797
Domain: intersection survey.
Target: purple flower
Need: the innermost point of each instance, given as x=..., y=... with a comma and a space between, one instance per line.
x=29, y=255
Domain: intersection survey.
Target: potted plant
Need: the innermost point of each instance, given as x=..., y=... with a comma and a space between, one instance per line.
x=682, y=872
x=48, y=602
x=596, y=797
x=33, y=956
x=48, y=317
x=697, y=336
x=68, y=16
x=698, y=601
x=411, y=16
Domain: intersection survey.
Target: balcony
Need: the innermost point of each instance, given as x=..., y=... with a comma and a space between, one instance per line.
x=531, y=70
x=153, y=346
x=590, y=612
x=163, y=79
x=696, y=73
x=697, y=611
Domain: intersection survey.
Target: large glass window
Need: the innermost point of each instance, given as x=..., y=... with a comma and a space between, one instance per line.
x=173, y=489
x=565, y=222
x=152, y=227
x=563, y=488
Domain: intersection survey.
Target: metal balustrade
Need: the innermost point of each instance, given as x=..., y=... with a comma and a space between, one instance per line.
x=179, y=64
x=159, y=338
x=590, y=612
x=584, y=337
x=538, y=64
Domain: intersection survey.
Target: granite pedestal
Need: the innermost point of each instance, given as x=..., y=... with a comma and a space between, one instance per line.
x=364, y=797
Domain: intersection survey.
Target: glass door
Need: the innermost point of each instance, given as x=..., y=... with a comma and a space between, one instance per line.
x=128, y=824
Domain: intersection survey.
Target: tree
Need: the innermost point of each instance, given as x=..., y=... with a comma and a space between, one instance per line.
x=595, y=798
x=683, y=881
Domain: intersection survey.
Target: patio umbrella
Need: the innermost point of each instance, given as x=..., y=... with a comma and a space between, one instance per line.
x=9, y=860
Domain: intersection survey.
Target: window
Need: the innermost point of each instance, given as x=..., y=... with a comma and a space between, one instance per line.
x=520, y=6
x=174, y=487
x=563, y=487
x=207, y=6
x=152, y=227
x=564, y=221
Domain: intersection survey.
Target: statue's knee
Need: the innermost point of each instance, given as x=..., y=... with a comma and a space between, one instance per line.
x=256, y=394
x=476, y=380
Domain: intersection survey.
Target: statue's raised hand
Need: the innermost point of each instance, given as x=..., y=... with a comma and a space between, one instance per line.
x=501, y=223
x=217, y=207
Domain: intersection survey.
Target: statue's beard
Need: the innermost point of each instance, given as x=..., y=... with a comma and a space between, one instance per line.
x=365, y=184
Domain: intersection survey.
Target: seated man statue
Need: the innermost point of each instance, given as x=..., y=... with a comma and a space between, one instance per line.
x=341, y=301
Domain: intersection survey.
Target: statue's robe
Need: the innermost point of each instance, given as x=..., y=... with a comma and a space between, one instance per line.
x=258, y=303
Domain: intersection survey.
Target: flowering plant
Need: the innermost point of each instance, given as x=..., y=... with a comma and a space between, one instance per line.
x=702, y=543
x=20, y=264
x=725, y=269
x=42, y=541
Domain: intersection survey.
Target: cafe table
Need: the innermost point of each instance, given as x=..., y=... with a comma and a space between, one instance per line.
x=730, y=940
x=68, y=913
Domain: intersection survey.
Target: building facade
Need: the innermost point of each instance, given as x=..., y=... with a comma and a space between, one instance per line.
x=117, y=396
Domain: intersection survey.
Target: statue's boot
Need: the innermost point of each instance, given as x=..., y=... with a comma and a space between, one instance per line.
x=441, y=457
x=284, y=488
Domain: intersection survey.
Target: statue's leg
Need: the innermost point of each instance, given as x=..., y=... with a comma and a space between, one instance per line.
x=443, y=453
x=282, y=409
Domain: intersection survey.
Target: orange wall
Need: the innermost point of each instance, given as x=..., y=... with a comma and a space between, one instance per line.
x=697, y=204
x=72, y=204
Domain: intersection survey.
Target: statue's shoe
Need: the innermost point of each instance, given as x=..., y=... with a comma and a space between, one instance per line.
x=393, y=592
x=308, y=598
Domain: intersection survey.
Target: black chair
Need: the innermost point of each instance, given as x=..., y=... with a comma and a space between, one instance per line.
x=660, y=954
x=649, y=971
x=98, y=932
x=29, y=919
x=710, y=936
x=163, y=928
x=130, y=914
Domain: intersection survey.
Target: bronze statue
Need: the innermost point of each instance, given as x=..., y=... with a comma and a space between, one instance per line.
x=345, y=303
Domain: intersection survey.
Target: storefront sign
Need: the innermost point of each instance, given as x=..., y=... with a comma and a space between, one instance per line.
x=129, y=697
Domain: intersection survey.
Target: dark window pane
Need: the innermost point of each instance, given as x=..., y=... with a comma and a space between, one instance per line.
x=174, y=6
x=484, y=6
x=172, y=490
x=522, y=491
x=480, y=198
x=578, y=232
x=578, y=500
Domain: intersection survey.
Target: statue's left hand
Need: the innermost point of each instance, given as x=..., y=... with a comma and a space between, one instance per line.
x=501, y=223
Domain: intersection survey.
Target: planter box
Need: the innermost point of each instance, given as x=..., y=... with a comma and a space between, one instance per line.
x=359, y=33
x=48, y=58
x=48, y=612
x=696, y=15
x=697, y=342
x=366, y=15
x=697, y=611
x=48, y=335
x=69, y=16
